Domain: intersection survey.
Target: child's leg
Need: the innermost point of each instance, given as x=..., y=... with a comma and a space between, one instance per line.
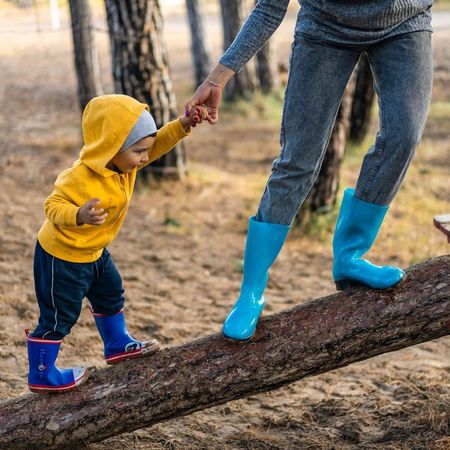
x=107, y=300
x=60, y=288
x=318, y=75
x=402, y=69
x=106, y=294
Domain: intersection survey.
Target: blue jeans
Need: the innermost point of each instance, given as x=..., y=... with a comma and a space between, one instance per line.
x=62, y=285
x=318, y=74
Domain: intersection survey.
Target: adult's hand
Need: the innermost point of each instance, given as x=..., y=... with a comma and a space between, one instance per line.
x=209, y=93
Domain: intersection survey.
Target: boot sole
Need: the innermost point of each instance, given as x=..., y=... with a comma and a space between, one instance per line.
x=240, y=341
x=150, y=347
x=60, y=390
x=348, y=283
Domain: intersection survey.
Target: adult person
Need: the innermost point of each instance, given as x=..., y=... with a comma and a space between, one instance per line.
x=329, y=38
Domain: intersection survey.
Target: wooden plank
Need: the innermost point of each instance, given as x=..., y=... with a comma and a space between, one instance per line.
x=442, y=222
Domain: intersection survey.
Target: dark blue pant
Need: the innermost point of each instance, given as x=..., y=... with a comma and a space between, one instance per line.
x=62, y=285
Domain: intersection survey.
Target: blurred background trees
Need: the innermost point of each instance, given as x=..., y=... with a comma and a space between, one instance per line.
x=244, y=83
x=201, y=53
x=362, y=101
x=85, y=52
x=140, y=68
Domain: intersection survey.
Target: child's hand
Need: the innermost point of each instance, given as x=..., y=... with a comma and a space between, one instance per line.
x=195, y=116
x=88, y=214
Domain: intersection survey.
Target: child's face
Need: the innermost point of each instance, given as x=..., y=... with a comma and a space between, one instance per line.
x=133, y=156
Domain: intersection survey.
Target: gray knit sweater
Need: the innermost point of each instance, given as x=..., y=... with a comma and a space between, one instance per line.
x=346, y=22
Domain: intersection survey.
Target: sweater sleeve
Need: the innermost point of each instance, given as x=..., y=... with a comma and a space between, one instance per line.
x=257, y=29
x=166, y=138
x=60, y=207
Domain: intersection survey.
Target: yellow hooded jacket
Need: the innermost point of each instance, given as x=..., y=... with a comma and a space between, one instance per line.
x=107, y=121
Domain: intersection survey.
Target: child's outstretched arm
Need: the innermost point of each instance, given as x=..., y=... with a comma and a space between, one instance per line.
x=170, y=134
x=193, y=117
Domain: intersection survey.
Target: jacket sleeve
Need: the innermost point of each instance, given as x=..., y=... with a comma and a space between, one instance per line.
x=166, y=138
x=257, y=29
x=62, y=206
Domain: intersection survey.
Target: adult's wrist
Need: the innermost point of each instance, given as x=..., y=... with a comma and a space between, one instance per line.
x=214, y=83
x=219, y=76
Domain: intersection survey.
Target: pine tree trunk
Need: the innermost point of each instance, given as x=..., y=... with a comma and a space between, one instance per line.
x=362, y=101
x=244, y=83
x=86, y=58
x=307, y=340
x=141, y=70
x=322, y=196
x=25, y=3
x=267, y=67
x=200, y=52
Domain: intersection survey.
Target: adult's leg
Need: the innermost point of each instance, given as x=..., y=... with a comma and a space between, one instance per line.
x=402, y=68
x=318, y=75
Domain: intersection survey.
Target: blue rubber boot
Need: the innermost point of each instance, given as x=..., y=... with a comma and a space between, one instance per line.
x=356, y=229
x=264, y=242
x=44, y=376
x=118, y=344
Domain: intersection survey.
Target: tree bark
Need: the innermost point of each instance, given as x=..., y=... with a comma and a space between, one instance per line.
x=244, y=83
x=267, y=67
x=141, y=70
x=322, y=335
x=200, y=52
x=322, y=196
x=362, y=101
x=85, y=53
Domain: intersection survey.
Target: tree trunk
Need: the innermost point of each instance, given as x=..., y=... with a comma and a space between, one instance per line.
x=267, y=67
x=322, y=196
x=25, y=3
x=141, y=70
x=200, y=52
x=86, y=58
x=313, y=338
x=362, y=101
x=244, y=83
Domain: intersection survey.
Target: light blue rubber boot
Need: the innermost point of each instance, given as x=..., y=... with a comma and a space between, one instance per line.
x=356, y=229
x=264, y=242
x=43, y=375
x=118, y=344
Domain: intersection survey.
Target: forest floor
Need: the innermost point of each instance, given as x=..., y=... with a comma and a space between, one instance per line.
x=181, y=247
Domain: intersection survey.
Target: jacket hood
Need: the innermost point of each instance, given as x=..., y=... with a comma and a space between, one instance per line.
x=107, y=121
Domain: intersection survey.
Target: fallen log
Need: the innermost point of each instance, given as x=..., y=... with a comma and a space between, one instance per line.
x=319, y=336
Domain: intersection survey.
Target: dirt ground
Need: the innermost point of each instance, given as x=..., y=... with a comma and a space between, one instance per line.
x=180, y=249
